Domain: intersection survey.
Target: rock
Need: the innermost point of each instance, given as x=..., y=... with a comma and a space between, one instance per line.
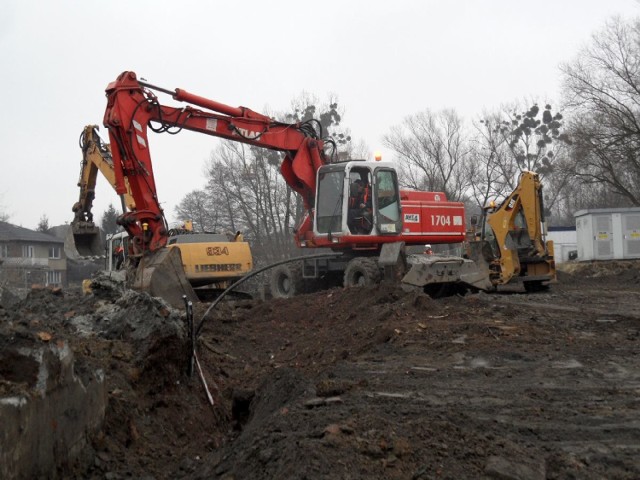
x=502, y=469
x=9, y=297
x=314, y=402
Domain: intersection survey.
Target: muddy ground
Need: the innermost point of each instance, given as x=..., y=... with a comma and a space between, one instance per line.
x=369, y=383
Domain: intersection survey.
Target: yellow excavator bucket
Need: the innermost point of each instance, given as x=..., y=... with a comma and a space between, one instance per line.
x=87, y=240
x=161, y=274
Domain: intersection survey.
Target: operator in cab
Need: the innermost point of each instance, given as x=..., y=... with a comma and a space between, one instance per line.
x=360, y=216
x=118, y=255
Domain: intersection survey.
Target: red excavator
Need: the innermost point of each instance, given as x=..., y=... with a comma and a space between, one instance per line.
x=352, y=207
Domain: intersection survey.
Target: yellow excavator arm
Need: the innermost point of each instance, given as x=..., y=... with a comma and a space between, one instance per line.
x=201, y=260
x=96, y=156
x=516, y=232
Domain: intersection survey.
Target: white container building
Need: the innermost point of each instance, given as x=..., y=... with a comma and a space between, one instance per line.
x=564, y=242
x=608, y=234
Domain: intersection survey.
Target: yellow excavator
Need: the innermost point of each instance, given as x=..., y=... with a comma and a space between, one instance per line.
x=96, y=157
x=512, y=238
x=210, y=263
x=194, y=264
x=507, y=246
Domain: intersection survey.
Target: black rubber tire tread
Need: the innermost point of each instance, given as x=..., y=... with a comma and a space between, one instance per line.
x=535, y=286
x=439, y=290
x=362, y=271
x=290, y=273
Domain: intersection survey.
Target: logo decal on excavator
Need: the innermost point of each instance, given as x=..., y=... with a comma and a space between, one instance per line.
x=211, y=124
x=219, y=267
x=213, y=251
x=249, y=134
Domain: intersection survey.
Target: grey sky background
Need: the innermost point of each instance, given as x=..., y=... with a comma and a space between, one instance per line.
x=384, y=60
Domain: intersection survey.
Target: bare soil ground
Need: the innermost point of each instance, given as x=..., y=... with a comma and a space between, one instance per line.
x=370, y=383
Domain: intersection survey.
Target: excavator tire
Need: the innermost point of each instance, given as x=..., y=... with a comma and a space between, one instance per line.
x=535, y=286
x=286, y=281
x=362, y=271
x=161, y=274
x=441, y=290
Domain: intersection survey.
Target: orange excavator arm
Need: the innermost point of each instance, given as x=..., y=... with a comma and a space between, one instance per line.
x=132, y=108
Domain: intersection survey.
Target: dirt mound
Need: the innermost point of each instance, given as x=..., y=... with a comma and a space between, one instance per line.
x=311, y=331
x=360, y=382
x=596, y=269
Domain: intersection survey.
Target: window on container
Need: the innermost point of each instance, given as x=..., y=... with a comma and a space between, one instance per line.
x=27, y=251
x=54, y=252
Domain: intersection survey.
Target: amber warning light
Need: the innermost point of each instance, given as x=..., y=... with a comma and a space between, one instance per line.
x=377, y=156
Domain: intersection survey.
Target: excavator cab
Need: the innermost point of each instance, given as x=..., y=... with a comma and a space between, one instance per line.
x=116, y=251
x=357, y=198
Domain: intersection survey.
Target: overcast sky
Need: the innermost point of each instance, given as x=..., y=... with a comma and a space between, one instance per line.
x=383, y=59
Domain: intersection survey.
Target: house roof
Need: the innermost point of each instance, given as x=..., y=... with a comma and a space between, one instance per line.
x=9, y=232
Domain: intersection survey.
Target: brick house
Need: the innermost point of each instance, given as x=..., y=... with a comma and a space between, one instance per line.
x=28, y=257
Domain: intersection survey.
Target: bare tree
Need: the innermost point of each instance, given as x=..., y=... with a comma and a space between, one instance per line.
x=491, y=165
x=578, y=195
x=250, y=195
x=602, y=90
x=507, y=142
x=328, y=115
x=533, y=141
x=355, y=151
x=202, y=210
x=433, y=152
x=246, y=192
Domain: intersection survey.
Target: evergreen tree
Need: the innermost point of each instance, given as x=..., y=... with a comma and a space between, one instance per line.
x=43, y=224
x=109, y=217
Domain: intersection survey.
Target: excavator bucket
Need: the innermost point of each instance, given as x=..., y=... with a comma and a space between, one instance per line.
x=478, y=275
x=161, y=274
x=87, y=240
x=425, y=270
